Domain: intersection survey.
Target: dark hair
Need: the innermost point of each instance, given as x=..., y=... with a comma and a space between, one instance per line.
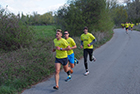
x=66, y=30
x=85, y=28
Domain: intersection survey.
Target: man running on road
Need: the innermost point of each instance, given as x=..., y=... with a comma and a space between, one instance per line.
x=127, y=26
x=61, y=48
x=132, y=25
x=87, y=40
x=72, y=45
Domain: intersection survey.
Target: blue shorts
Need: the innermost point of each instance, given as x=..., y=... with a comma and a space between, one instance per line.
x=71, y=58
x=63, y=61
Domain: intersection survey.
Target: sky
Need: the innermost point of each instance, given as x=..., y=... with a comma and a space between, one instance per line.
x=30, y=6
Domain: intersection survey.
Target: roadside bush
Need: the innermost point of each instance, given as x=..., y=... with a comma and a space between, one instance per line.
x=14, y=34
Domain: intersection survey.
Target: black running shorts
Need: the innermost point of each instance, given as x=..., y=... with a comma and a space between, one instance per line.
x=63, y=61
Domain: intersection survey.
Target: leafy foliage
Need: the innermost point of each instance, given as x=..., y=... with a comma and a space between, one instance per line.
x=14, y=33
x=133, y=10
x=130, y=12
x=82, y=13
x=119, y=14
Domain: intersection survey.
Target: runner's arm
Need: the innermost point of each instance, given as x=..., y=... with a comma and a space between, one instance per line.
x=73, y=44
x=92, y=42
x=92, y=38
x=74, y=47
x=82, y=43
x=66, y=49
x=63, y=49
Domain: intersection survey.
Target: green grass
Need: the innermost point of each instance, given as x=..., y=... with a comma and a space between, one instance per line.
x=27, y=66
x=7, y=90
x=44, y=31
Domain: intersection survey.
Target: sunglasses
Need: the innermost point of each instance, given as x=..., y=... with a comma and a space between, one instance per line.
x=65, y=33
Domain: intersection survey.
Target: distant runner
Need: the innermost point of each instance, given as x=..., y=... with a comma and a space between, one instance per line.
x=61, y=48
x=72, y=44
x=126, y=26
x=132, y=25
x=87, y=40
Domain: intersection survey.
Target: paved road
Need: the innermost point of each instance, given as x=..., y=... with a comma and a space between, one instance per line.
x=116, y=71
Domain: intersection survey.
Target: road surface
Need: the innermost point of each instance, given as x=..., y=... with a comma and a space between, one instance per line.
x=116, y=71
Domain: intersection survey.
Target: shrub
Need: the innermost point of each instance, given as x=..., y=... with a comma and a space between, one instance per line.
x=14, y=33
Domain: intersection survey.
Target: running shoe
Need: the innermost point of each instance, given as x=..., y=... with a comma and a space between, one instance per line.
x=87, y=73
x=75, y=61
x=68, y=78
x=56, y=87
x=93, y=58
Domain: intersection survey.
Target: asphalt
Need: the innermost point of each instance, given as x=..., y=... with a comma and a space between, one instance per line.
x=116, y=71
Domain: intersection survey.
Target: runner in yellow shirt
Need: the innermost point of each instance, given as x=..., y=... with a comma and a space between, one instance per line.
x=132, y=25
x=127, y=26
x=72, y=44
x=61, y=48
x=87, y=40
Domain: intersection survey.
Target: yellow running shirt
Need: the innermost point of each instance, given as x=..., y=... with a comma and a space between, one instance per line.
x=126, y=25
x=122, y=24
x=71, y=43
x=87, y=39
x=132, y=25
x=62, y=43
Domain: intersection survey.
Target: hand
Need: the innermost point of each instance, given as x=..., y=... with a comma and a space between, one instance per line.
x=53, y=50
x=89, y=45
x=81, y=47
x=58, y=48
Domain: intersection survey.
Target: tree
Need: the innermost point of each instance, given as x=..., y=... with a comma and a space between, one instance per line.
x=120, y=15
x=82, y=13
x=14, y=33
x=47, y=18
x=133, y=9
